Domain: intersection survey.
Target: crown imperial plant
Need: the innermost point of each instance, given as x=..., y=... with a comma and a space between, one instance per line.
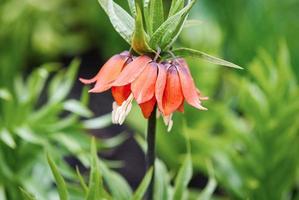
x=152, y=73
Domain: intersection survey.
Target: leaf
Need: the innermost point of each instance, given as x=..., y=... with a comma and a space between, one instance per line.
x=139, y=193
x=176, y=5
x=61, y=186
x=26, y=195
x=183, y=52
x=192, y=22
x=97, y=123
x=5, y=94
x=132, y=7
x=76, y=107
x=116, y=183
x=7, y=138
x=140, y=40
x=161, y=181
x=156, y=15
x=208, y=191
x=183, y=178
x=96, y=189
x=122, y=22
x=165, y=33
x=64, y=83
x=81, y=180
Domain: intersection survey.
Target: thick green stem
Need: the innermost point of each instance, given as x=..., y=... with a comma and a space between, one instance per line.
x=151, y=151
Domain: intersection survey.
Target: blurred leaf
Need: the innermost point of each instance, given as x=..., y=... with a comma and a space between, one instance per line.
x=116, y=183
x=61, y=186
x=76, y=107
x=27, y=195
x=7, y=138
x=5, y=94
x=161, y=181
x=139, y=193
x=183, y=52
x=183, y=178
x=120, y=19
x=97, y=123
x=81, y=180
x=208, y=191
x=192, y=23
x=140, y=40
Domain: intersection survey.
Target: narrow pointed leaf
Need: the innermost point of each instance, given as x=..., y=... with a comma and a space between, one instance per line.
x=81, y=180
x=122, y=22
x=7, y=138
x=156, y=14
x=95, y=179
x=61, y=186
x=164, y=35
x=176, y=5
x=26, y=195
x=132, y=7
x=139, y=193
x=184, y=52
x=139, y=40
x=183, y=178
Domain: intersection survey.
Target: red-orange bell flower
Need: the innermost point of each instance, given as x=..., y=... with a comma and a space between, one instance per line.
x=167, y=84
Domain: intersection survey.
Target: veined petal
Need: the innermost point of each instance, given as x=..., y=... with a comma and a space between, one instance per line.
x=148, y=107
x=121, y=93
x=132, y=71
x=160, y=84
x=108, y=73
x=188, y=86
x=173, y=95
x=143, y=88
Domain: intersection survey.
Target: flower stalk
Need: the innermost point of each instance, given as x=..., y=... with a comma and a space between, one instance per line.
x=151, y=151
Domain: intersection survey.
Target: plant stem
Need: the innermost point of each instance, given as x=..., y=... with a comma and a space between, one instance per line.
x=151, y=151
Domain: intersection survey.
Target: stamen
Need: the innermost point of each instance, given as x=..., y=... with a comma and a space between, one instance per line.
x=168, y=122
x=120, y=113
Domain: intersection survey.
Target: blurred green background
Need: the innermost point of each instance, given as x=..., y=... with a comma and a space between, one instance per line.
x=249, y=137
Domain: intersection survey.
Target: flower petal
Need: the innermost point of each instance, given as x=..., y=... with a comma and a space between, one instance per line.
x=160, y=84
x=181, y=108
x=188, y=86
x=143, y=88
x=108, y=73
x=148, y=107
x=132, y=71
x=173, y=95
x=121, y=93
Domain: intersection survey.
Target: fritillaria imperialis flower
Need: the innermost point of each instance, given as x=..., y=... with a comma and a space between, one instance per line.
x=166, y=84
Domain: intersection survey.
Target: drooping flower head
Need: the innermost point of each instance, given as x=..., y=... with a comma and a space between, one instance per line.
x=165, y=85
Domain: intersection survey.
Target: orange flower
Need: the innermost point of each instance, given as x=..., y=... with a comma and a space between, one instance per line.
x=167, y=85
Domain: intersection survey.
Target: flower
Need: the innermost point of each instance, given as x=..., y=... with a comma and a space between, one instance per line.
x=165, y=85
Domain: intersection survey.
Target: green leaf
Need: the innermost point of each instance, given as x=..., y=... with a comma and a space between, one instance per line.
x=81, y=180
x=170, y=29
x=97, y=123
x=161, y=181
x=176, y=5
x=132, y=7
x=116, y=183
x=139, y=193
x=96, y=189
x=156, y=15
x=26, y=195
x=61, y=186
x=122, y=22
x=184, y=52
x=207, y=193
x=5, y=94
x=140, y=39
x=7, y=138
x=183, y=178
x=191, y=23
x=76, y=107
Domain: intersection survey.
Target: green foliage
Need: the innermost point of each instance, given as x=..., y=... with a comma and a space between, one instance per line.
x=117, y=186
x=30, y=122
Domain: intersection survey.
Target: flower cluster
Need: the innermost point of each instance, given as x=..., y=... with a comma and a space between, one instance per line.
x=165, y=85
